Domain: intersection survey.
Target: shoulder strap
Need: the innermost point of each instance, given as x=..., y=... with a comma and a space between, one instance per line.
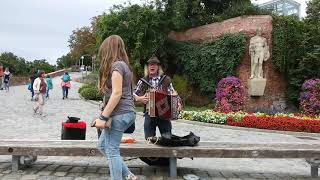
x=161, y=79
x=145, y=81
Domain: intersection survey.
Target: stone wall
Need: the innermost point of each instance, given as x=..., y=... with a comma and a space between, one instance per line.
x=15, y=81
x=274, y=93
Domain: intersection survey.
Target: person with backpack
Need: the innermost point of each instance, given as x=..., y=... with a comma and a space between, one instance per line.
x=65, y=85
x=32, y=78
x=154, y=78
x=1, y=77
x=6, y=79
x=49, y=85
x=40, y=88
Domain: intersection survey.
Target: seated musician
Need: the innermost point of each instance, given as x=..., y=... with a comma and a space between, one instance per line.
x=154, y=79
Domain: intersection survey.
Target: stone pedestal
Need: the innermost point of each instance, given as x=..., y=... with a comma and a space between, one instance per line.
x=257, y=86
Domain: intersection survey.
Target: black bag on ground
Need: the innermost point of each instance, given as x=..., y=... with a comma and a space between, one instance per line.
x=172, y=140
x=169, y=140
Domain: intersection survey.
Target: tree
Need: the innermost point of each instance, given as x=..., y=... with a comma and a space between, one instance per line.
x=81, y=42
x=141, y=27
x=182, y=14
x=313, y=22
x=64, y=61
x=43, y=65
x=16, y=65
x=20, y=67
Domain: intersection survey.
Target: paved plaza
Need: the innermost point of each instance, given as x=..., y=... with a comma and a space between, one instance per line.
x=18, y=122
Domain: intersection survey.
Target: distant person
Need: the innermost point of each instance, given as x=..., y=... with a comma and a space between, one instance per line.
x=49, y=85
x=6, y=79
x=32, y=78
x=65, y=84
x=39, y=87
x=1, y=77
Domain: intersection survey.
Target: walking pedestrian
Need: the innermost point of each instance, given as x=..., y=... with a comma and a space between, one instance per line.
x=49, y=85
x=32, y=78
x=115, y=81
x=39, y=87
x=65, y=84
x=6, y=79
x=1, y=77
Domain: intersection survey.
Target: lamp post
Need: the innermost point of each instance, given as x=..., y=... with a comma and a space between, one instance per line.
x=81, y=69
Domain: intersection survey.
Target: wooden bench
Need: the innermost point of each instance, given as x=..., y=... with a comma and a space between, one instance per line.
x=306, y=150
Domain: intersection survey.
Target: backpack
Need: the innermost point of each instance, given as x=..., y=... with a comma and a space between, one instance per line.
x=66, y=78
x=6, y=78
x=29, y=86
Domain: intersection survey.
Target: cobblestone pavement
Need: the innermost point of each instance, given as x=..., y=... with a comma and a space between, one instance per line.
x=18, y=122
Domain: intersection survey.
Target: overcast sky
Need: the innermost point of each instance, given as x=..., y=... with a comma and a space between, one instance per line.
x=40, y=29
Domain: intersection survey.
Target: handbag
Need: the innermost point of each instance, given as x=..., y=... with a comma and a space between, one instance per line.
x=130, y=129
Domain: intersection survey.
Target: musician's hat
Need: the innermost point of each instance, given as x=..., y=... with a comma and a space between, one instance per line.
x=153, y=60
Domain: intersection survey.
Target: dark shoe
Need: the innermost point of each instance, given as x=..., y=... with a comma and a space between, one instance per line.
x=63, y=98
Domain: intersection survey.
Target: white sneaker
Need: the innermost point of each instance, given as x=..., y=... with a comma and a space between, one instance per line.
x=131, y=177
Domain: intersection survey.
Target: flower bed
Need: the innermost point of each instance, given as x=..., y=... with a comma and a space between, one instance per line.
x=310, y=97
x=277, y=123
x=280, y=121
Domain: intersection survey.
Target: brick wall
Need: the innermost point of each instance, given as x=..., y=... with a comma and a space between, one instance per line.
x=275, y=87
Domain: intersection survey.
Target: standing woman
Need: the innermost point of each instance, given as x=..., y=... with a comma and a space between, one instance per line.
x=6, y=79
x=39, y=87
x=115, y=82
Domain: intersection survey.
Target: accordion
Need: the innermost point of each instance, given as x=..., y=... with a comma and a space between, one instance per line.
x=162, y=105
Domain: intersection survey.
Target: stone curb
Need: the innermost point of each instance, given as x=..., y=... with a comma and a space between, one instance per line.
x=248, y=129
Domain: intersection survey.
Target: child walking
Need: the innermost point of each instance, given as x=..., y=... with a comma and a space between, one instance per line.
x=49, y=85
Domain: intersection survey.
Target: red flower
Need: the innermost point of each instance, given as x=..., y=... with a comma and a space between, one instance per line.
x=277, y=123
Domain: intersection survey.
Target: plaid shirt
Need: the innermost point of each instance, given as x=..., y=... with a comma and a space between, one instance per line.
x=154, y=81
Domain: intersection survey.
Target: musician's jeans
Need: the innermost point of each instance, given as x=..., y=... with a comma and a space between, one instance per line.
x=150, y=125
x=109, y=143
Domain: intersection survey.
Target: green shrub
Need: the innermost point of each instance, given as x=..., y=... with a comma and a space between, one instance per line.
x=181, y=86
x=91, y=93
x=241, y=9
x=85, y=86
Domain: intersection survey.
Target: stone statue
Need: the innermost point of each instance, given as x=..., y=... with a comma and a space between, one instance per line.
x=259, y=52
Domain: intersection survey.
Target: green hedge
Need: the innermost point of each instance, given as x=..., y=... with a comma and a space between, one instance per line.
x=294, y=53
x=204, y=64
x=85, y=86
x=90, y=92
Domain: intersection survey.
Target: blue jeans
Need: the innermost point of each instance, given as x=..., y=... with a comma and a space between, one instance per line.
x=150, y=125
x=47, y=93
x=65, y=91
x=32, y=94
x=109, y=143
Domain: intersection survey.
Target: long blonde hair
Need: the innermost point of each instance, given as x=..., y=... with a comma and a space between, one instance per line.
x=112, y=49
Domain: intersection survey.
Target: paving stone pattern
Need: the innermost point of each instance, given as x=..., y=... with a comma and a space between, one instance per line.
x=18, y=122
